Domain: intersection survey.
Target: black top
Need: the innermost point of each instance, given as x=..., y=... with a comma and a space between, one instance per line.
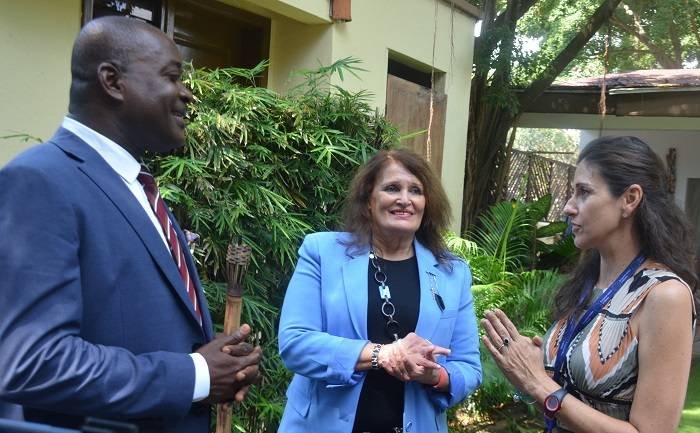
x=380, y=408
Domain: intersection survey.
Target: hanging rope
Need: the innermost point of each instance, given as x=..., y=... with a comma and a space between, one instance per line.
x=602, y=103
x=452, y=40
x=428, y=143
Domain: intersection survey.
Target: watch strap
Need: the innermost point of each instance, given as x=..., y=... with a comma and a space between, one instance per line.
x=552, y=403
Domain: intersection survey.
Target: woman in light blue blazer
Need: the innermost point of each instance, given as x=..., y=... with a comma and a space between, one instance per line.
x=378, y=322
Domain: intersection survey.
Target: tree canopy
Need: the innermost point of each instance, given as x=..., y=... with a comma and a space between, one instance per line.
x=525, y=45
x=646, y=34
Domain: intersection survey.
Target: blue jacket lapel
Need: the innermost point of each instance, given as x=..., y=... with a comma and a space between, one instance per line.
x=429, y=314
x=97, y=170
x=355, y=283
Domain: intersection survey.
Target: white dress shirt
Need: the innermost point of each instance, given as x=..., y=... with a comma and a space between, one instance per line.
x=128, y=168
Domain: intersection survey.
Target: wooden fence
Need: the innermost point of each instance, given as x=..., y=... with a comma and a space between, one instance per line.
x=532, y=176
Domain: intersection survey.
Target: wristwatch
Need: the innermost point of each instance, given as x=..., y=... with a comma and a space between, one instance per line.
x=552, y=403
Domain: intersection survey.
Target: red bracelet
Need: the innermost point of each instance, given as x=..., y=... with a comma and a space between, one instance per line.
x=442, y=381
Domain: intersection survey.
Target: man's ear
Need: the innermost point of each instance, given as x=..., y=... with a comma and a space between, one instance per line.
x=109, y=77
x=631, y=199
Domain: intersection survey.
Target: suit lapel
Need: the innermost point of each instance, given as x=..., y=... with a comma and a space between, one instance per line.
x=116, y=191
x=355, y=284
x=430, y=276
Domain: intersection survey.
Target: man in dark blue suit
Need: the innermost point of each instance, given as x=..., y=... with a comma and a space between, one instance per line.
x=95, y=316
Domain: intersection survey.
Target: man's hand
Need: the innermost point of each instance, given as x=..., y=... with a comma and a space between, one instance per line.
x=233, y=366
x=250, y=374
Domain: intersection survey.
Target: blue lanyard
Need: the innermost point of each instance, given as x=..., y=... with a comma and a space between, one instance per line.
x=573, y=327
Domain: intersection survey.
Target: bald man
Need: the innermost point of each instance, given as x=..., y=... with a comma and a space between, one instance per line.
x=101, y=311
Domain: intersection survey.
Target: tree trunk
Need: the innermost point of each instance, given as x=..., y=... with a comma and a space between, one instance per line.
x=491, y=118
x=599, y=17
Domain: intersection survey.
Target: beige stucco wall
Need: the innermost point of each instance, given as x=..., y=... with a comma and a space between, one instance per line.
x=400, y=28
x=35, y=46
x=295, y=46
x=685, y=142
x=36, y=41
x=303, y=11
x=592, y=121
x=406, y=27
x=308, y=11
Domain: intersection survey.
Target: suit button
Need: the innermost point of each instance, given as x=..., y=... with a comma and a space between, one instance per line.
x=196, y=346
x=408, y=427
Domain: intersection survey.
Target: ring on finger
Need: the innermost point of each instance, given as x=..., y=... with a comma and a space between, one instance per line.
x=498, y=349
x=506, y=341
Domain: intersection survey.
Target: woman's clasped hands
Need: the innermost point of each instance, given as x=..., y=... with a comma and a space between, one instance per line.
x=518, y=356
x=412, y=358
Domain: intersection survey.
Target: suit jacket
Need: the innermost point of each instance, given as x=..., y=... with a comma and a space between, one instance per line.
x=323, y=329
x=94, y=318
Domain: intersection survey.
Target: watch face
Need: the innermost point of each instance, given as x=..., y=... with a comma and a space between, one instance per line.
x=551, y=403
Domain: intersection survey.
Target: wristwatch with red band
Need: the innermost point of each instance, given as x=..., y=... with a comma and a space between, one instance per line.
x=552, y=403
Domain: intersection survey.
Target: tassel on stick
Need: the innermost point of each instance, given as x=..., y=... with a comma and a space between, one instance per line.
x=237, y=259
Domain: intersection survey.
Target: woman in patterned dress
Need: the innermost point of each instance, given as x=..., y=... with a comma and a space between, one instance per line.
x=627, y=369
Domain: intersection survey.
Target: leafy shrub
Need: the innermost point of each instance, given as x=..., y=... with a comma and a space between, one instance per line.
x=265, y=169
x=503, y=253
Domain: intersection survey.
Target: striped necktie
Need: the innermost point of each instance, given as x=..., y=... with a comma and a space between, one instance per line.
x=158, y=206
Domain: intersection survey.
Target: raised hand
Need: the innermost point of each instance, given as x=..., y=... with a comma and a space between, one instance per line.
x=519, y=357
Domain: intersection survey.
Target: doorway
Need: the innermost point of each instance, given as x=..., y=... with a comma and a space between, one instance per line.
x=208, y=33
x=408, y=91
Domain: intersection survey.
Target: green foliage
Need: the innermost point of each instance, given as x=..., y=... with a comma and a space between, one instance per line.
x=265, y=169
x=505, y=235
x=511, y=236
x=690, y=418
x=552, y=24
x=549, y=140
x=645, y=34
x=526, y=45
x=503, y=254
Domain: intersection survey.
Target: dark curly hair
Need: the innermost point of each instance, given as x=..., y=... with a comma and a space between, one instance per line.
x=436, y=216
x=663, y=230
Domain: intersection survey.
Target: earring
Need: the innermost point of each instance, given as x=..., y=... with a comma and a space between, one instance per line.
x=624, y=214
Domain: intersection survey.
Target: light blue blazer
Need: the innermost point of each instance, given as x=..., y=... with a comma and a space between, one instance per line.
x=323, y=329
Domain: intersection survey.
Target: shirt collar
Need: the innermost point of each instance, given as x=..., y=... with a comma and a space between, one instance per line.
x=116, y=156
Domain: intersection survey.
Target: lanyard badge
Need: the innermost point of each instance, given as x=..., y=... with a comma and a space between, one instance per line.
x=573, y=327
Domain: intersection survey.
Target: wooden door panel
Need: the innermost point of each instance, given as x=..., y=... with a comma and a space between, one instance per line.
x=408, y=108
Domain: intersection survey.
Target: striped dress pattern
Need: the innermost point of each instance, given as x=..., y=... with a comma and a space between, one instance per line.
x=602, y=362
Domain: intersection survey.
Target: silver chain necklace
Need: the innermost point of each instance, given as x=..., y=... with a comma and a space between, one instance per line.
x=388, y=308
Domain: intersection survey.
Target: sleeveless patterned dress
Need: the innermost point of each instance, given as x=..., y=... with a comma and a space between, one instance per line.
x=602, y=360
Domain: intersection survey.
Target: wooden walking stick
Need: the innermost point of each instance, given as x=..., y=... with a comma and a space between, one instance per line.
x=237, y=259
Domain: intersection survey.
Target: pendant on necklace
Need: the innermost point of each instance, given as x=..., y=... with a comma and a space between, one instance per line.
x=384, y=292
